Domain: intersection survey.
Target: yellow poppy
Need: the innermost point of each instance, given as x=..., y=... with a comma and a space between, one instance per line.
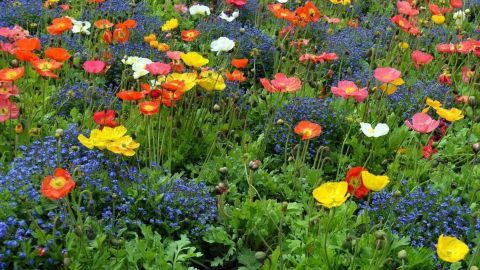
x=331, y=194
x=170, y=25
x=451, y=115
x=450, y=249
x=194, y=59
x=374, y=182
x=210, y=80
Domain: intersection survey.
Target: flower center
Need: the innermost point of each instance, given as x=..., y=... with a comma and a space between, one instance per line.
x=349, y=90
x=58, y=182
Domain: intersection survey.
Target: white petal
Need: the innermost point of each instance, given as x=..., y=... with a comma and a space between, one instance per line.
x=367, y=129
x=381, y=129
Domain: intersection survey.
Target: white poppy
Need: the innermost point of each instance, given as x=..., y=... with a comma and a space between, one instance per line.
x=231, y=18
x=459, y=17
x=379, y=130
x=130, y=60
x=223, y=44
x=140, y=67
x=199, y=10
x=282, y=1
x=81, y=27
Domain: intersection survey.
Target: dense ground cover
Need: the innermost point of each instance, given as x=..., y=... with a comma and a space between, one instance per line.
x=239, y=134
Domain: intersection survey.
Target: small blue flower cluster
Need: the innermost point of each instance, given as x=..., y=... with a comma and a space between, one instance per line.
x=408, y=100
x=25, y=12
x=20, y=186
x=422, y=214
x=185, y=206
x=311, y=109
x=80, y=95
x=252, y=42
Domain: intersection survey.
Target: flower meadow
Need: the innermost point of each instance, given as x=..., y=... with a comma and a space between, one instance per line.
x=240, y=134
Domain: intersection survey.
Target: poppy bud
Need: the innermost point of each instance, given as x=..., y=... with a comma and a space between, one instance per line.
x=472, y=101
x=380, y=234
x=41, y=251
x=34, y=132
x=242, y=30
x=66, y=261
x=284, y=207
x=260, y=255
x=19, y=128
x=402, y=254
x=216, y=108
x=14, y=63
x=223, y=170
x=473, y=267
x=280, y=121
x=221, y=188
x=58, y=133
x=476, y=147
x=254, y=164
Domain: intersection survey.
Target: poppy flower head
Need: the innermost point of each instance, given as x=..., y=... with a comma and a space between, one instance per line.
x=105, y=118
x=11, y=74
x=59, y=26
x=149, y=107
x=307, y=130
x=386, y=74
x=190, y=35
x=94, y=66
x=240, y=63
x=355, y=182
x=281, y=83
x=58, y=185
x=130, y=95
x=57, y=54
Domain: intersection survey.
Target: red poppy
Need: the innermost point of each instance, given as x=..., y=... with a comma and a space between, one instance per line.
x=149, y=107
x=170, y=97
x=57, y=186
x=129, y=24
x=307, y=129
x=355, y=182
x=108, y=37
x=45, y=67
x=420, y=58
x=57, y=54
x=190, y=35
x=11, y=74
x=240, y=63
x=130, y=95
x=105, y=118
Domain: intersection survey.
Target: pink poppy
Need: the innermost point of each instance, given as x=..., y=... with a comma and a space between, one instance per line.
x=422, y=123
x=8, y=110
x=287, y=30
x=94, y=66
x=158, y=68
x=348, y=89
x=7, y=47
x=445, y=48
x=8, y=89
x=181, y=8
x=386, y=74
x=65, y=7
x=467, y=73
x=281, y=83
x=420, y=58
x=173, y=55
x=331, y=20
x=237, y=3
x=465, y=47
x=406, y=8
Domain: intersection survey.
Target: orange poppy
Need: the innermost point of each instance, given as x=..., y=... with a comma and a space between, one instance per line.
x=58, y=185
x=307, y=129
x=121, y=34
x=45, y=67
x=190, y=35
x=169, y=97
x=149, y=107
x=236, y=75
x=240, y=63
x=103, y=24
x=57, y=54
x=26, y=56
x=308, y=13
x=283, y=13
x=11, y=74
x=173, y=85
x=95, y=1
x=130, y=95
x=128, y=24
x=59, y=25
x=28, y=44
